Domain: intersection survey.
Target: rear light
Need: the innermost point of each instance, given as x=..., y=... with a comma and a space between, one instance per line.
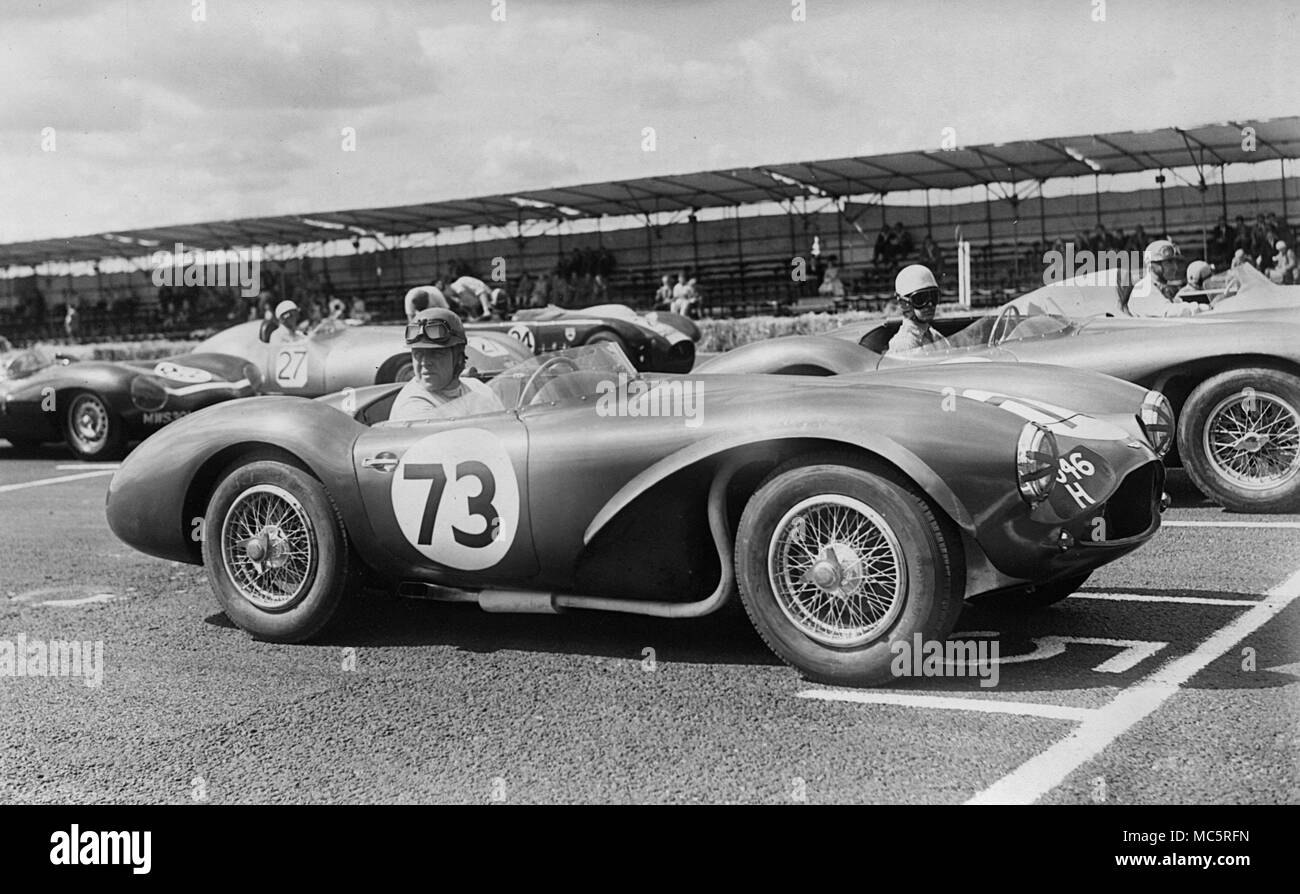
x=1037, y=463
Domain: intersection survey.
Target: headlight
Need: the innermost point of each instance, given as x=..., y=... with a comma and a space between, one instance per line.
x=148, y=394
x=1037, y=461
x=1157, y=418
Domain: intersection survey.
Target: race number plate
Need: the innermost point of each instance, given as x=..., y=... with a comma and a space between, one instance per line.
x=291, y=368
x=456, y=498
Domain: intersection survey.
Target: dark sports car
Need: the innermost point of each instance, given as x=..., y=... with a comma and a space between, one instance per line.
x=347, y=356
x=851, y=513
x=1232, y=374
x=657, y=341
x=98, y=407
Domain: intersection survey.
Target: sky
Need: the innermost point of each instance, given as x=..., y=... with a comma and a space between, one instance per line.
x=121, y=114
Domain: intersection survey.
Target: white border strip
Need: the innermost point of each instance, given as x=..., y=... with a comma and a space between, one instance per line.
x=986, y=706
x=1181, y=600
x=5, y=488
x=1228, y=524
x=1048, y=769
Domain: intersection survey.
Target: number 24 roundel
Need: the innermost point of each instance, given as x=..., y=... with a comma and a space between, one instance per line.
x=456, y=498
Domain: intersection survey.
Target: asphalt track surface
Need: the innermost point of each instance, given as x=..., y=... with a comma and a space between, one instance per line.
x=1172, y=677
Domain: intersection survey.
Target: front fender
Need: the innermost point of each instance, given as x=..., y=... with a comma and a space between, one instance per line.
x=887, y=449
x=146, y=505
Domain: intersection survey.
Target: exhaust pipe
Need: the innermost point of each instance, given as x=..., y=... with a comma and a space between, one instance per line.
x=542, y=602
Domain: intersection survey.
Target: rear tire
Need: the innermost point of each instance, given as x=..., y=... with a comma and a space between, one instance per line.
x=90, y=429
x=276, y=552
x=1239, y=439
x=804, y=539
x=398, y=370
x=604, y=337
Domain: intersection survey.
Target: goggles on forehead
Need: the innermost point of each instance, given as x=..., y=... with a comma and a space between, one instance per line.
x=923, y=298
x=432, y=332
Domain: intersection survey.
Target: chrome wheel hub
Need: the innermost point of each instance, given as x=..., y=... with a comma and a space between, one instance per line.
x=837, y=570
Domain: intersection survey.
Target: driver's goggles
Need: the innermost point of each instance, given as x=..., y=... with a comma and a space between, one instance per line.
x=923, y=298
x=438, y=332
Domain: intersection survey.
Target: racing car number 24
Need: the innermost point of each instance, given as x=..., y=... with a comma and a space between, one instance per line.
x=456, y=498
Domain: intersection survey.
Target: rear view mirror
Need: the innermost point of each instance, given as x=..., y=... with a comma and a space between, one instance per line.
x=264, y=332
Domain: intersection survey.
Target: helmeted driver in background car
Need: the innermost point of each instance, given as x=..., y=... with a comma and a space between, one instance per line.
x=1198, y=275
x=918, y=296
x=421, y=298
x=1156, y=293
x=288, y=318
x=436, y=338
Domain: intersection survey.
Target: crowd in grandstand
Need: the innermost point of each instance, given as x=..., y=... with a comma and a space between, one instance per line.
x=585, y=276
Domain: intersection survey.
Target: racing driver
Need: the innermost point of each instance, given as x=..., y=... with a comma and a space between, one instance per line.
x=1156, y=293
x=918, y=296
x=436, y=338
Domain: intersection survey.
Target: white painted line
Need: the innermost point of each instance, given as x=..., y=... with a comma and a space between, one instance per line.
x=1048, y=769
x=986, y=706
x=72, y=467
x=1182, y=600
x=1228, y=524
x=5, y=488
x=85, y=600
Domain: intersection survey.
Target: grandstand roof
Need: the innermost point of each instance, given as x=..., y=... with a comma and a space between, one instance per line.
x=1045, y=159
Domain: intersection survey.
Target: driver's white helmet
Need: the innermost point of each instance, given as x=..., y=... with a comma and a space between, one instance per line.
x=912, y=279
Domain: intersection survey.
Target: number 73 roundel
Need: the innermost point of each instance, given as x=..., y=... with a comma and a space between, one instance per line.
x=456, y=498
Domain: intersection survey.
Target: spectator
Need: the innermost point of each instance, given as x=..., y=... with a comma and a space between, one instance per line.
x=883, y=254
x=1282, y=271
x=1242, y=238
x=70, y=322
x=1100, y=240
x=664, y=294
x=359, y=311
x=932, y=256
x=831, y=285
x=900, y=241
x=684, y=297
x=420, y=298
x=1220, y=242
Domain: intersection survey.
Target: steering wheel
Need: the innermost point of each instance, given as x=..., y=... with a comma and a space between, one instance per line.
x=1005, y=317
x=532, y=387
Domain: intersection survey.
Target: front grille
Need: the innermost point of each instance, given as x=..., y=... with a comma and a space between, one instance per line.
x=1131, y=509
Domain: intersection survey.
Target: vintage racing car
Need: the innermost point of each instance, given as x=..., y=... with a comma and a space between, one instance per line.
x=851, y=513
x=657, y=341
x=348, y=356
x=98, y=407
x=1232, y=373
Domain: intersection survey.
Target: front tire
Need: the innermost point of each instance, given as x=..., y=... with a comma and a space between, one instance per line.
x=836, y=564
x=276, y=552
x=90, y=429
x=1239, y=438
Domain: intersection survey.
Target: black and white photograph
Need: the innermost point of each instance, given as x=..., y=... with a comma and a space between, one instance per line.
x=526, y=402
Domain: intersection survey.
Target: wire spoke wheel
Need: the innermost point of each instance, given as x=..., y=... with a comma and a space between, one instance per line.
x=837, y=570
x=1253, y=440
x=268, y=547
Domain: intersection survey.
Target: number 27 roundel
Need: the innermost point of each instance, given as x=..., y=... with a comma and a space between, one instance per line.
x=456, y=498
